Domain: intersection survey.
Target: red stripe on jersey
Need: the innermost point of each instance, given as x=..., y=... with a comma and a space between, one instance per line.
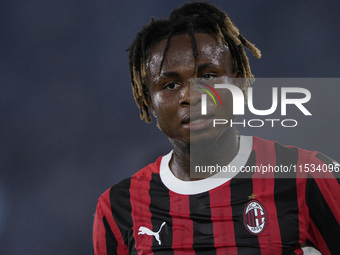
x=222, y=219
x=263, y=187
x=148, y=170
x=182, y=225
x=299, y=252
x=319, y=241
x=99, y=240
x=141, y=215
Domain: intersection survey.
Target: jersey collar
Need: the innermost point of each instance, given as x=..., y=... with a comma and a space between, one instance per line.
x=196, y=187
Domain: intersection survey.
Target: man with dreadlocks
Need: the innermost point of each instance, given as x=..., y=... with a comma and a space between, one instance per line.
x=161, y=209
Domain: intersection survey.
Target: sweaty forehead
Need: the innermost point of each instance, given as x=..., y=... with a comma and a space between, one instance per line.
x=180, y=53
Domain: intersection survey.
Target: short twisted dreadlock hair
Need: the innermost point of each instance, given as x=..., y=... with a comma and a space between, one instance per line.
x=191, y=18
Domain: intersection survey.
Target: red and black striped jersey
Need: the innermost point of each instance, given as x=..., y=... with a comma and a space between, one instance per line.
x=153, y=212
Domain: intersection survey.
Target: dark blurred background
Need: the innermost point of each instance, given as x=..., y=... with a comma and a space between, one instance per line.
x=69, y=126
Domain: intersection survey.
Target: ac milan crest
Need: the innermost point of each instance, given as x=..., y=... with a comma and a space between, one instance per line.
x=255, y=217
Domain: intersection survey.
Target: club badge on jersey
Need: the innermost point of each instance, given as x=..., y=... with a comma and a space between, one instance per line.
x=255, y=217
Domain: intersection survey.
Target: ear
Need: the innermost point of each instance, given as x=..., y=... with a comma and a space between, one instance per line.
x=236, y=74
x=240, y=82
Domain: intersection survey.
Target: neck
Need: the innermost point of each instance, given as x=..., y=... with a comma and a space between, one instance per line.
x=218, y=151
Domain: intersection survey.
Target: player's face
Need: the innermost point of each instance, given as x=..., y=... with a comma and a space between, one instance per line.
x=179, y=114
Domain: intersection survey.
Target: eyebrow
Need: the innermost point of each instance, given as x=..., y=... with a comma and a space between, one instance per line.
x=205, y=66
x=170, y=74
x=200, y=68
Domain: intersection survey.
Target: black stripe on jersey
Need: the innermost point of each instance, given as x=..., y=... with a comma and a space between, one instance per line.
x=328, y=161
x=111, y=242
x=159, y=209
x=121, y=212
x=285, y=196
x=203, y=233
x=322, y=216
x=241, y=187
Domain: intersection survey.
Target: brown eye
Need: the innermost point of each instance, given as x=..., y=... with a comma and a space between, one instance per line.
x=171, y=85
x=208, y=76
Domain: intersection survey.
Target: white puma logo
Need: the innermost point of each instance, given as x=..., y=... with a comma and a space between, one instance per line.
x=144, y=230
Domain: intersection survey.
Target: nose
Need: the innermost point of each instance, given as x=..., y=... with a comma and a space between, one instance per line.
x=190, y=95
